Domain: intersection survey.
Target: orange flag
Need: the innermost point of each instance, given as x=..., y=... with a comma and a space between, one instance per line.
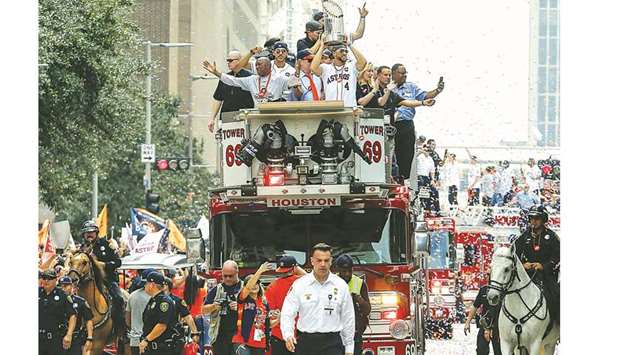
x=45, y=229
x=45, y=241
x=102, y=221
x=175, y=236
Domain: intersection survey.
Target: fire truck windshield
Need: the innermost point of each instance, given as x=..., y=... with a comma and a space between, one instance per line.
x=440, y=250
x=370, y=236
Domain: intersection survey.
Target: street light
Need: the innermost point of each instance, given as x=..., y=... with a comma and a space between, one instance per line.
x=149, y=45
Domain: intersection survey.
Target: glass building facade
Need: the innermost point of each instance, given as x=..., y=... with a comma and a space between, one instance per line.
x=548, y=73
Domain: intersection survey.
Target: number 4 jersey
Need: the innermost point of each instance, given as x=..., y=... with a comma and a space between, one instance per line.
x=340, y=82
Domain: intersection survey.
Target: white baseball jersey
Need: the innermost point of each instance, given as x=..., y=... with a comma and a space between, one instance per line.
x=340, y=83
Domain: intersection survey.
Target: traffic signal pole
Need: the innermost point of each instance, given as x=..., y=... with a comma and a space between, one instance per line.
x=147, y=166
x=95, y=197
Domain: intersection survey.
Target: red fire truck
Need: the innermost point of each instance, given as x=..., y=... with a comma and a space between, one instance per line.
x=292, y=176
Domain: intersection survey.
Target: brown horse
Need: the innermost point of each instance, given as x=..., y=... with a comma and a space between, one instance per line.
x=91, y=287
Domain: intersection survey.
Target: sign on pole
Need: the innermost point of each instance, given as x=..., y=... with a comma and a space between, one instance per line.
x=148, y=153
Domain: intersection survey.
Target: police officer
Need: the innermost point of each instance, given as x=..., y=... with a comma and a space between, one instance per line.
x=104, y=252
x=322, y=300
x=276, y=292
x=159, y=319
x=181, y=314
x=538, y=248
x=57, y=316
x=486, y=322
x=83, y=334
x=359, y=294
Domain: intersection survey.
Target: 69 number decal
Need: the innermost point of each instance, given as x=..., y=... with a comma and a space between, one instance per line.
x=231, y=155
x=410, y=349
x=372, y=150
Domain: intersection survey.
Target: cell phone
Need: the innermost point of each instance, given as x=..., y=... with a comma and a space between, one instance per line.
x=272, y=266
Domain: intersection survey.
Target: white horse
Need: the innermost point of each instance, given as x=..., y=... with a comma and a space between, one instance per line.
x=524, y=315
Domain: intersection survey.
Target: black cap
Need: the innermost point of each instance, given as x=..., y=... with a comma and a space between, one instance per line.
x=318, y=16
x=65, y=280
x=48, y=274
x=344, y=261
x=156, y=277
x=328, y=53
x=313, y=25
x=286, y=263
x=278, y=45
x=270, y=42
x=304, y=53
x=146, y=272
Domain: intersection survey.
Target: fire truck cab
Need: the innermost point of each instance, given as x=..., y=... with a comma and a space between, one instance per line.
x=298, y=173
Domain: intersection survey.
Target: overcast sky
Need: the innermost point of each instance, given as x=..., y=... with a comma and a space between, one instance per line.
x=480, y=47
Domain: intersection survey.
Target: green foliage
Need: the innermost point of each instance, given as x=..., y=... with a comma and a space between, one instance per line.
x=91, y=116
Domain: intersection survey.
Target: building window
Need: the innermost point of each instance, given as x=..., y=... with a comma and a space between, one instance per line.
x=548, y=69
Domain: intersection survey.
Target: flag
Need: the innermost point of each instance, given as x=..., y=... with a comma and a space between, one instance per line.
x=102, y=221
x=148, y=231
x=44, y=231
x=175, y=236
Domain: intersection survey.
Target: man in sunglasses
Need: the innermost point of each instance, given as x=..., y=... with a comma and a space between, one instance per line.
x=229, y=98
x=340, y=77
x=57, y=316
x=313, y=32
x=221, y=304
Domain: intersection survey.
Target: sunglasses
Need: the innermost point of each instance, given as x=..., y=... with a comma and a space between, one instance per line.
x=231, y=60
x=280, y=50
x=402, y=73
x=228, y=276
x=344, y=51
x=47, y=278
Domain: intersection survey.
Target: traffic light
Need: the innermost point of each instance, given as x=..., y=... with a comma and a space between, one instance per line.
x=152, y=202
x=174, y=164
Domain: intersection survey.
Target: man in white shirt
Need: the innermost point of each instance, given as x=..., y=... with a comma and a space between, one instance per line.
x=133, y=315
x=279, y=66
x=453, y=179
x=326, y=323
x=340, y=77
x=505, y=177
x=308, y=87
x=473, y=182
x=263, y=86
x=533, y=175
x=425, y=169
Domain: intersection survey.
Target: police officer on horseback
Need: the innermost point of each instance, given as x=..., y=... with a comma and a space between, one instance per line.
x=101, y=249
x=538, y=248
x=57, y=316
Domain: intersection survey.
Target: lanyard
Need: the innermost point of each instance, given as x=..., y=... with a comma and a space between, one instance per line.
x=263, y=91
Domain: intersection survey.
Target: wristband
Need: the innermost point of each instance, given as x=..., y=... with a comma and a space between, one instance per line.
x=197, y=333
x=422, y=101
x=89, y=339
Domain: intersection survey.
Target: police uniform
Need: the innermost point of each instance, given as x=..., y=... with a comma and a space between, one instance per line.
x=543, y=249
x=84, y=314
x=180, y=311
x=326, y=323
x=159, y=310
x=55, y=309
x=275, y=294
x=486, y=318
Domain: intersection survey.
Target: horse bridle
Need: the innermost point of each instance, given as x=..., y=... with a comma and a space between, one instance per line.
x=81, y=277
x=503, y=289
x=88, y=277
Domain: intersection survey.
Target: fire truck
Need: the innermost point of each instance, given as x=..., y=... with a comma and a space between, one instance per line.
x=293, y=174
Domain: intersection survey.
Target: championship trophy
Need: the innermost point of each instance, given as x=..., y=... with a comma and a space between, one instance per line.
x=333, y=26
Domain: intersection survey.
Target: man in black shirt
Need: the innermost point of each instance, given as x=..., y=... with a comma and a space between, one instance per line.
x=229, y=98
x=313, y=32
x=486, y=322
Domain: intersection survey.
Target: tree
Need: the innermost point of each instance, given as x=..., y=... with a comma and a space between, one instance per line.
x=91, y=116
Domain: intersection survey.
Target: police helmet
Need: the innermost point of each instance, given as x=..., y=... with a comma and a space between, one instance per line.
x=538, y=211
x=89, y=226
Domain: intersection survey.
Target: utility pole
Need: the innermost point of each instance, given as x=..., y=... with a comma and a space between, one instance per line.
x=95, y=197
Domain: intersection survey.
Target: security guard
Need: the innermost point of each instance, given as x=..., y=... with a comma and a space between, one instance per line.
x=322, y=300
x=104, y=252
x=83, y=334
x=275, y=294
x=57, y=316
x=181, y=314
x=359, y=294
x=538, y=248
x=486, y=322
x=159, y=319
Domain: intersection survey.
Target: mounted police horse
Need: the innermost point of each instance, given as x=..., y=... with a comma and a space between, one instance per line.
x=524, y=321
x=92, y=288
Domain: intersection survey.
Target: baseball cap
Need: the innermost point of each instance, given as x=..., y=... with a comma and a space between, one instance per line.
x=305, y=54
x=313, y=25
x=65, y=280
x=344, y=261
x=318, y=16
x=278, y=45
x=156, y=277
x=48, y=274
x=286, y=263
x=327, y=52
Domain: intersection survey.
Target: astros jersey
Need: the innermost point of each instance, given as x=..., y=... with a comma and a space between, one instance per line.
x=340, y=83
